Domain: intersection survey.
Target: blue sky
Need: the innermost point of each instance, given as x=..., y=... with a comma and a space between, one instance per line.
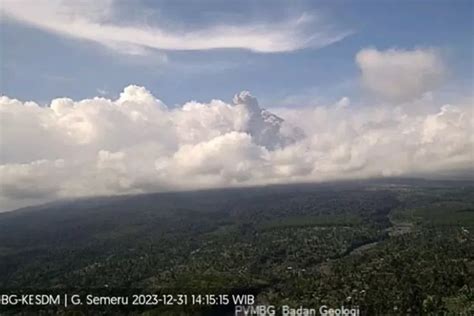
x=40, y=65
x=361, y=88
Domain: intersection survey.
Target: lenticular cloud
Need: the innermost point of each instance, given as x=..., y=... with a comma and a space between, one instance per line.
x=137, y=144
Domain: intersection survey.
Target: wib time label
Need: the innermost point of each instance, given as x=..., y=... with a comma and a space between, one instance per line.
x=125, y=300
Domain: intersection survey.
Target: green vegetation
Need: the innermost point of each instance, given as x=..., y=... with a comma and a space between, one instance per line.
x=390, y=248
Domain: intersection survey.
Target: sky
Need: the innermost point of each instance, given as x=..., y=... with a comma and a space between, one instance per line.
x=110, y=97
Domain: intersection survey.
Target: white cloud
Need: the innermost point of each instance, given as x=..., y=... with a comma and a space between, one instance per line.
x=137, y=144
x=400, y=75
x=92, y=20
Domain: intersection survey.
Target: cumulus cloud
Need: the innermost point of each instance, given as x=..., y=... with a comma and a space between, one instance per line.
x=400, y=75
x=94, y=21
x=136, y=144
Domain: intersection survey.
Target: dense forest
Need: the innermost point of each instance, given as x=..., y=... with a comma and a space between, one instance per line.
x=387, y=246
